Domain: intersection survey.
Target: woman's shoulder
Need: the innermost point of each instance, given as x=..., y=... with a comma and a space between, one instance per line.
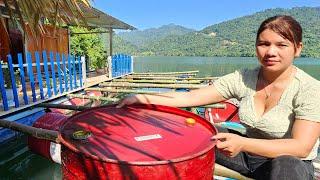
x=306, y=81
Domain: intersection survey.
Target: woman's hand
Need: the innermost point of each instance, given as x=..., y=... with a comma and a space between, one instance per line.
x=128, y=101
x=229, y=144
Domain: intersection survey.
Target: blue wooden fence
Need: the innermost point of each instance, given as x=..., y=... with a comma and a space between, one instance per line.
x=40, y=75
x=121, y=64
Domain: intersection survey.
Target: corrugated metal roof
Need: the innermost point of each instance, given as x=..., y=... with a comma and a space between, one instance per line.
x=97, y=18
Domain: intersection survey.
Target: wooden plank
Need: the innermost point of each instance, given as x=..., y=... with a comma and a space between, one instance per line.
x=39, y=74
x=13, y=82
x=3, y=91
x=74, y=72
x=31, y=78
x=70, y=71
x=53, y=74
x=13, y=110
x=23, y=79
x=65, y=72
x=80, y=71
x=46, y=71
x=59, y=73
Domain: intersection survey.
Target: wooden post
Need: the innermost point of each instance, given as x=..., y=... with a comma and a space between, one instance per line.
x=84, y=70
x=131, y=63
x=109, y=66
x=110, y=41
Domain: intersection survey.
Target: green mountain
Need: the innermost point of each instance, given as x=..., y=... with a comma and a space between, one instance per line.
x=142, y=38
x=230, y=38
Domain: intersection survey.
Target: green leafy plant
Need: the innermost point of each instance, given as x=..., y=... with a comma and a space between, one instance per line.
x=7, y=78
x=89, y=45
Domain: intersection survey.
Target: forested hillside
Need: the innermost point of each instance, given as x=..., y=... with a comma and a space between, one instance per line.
x=230, y=38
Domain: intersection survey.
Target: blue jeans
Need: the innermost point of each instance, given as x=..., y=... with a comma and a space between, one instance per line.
x=258, y=167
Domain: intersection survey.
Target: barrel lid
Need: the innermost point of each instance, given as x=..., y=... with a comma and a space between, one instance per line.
x=138, y=134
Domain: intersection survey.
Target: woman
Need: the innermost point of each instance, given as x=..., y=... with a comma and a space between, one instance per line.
x=277, y=106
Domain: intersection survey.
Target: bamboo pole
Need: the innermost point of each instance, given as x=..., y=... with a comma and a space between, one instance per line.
x=122, y=91
x=157, y=81
x=32, y=131
x=93, y=97
x=171, y=78
x=179, y=72
x=147, y=85
x=216, y=106
x=164, y=75
x=63, y=106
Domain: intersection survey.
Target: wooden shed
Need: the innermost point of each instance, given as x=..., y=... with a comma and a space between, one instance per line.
x=54, y=39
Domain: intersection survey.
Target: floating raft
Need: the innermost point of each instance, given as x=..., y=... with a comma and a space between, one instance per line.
x=110, y=91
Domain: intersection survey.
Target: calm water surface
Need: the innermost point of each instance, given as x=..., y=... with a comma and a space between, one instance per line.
x=213, y=66
x=16, y=162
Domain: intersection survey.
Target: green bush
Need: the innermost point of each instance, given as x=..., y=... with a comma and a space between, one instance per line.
x=90, y=46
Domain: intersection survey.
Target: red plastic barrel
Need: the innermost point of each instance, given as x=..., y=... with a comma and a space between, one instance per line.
x=137, y=142
x=46, y=148
x=229, y=113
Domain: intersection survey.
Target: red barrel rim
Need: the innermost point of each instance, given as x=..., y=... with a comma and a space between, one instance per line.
x=161, y=108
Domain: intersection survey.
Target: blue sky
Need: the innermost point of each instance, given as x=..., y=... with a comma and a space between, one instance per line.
x=195, y=14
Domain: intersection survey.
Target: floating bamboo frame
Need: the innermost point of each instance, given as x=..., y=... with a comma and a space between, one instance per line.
x=93, y=97
x=122, y=91
x=158, y=81
x=171, y=78
x=163, y=73
x=149, y=85
x=63, y=106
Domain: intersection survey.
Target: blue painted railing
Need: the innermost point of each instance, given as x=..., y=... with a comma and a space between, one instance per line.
x=121, y=64
x=48, y=75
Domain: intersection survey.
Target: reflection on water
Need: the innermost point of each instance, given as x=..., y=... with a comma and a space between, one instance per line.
x=16, y=162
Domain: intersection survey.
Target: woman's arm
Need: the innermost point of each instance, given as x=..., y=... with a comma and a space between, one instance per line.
x=202, y=96
x=304, y=136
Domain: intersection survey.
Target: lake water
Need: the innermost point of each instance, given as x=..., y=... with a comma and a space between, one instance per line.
x=213, y=66
x=16, y=162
